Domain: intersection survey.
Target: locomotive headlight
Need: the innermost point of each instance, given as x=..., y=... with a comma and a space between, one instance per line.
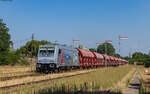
x=38, y=65
x=51, y=65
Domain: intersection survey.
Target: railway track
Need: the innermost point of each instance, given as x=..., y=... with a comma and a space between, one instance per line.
x=15, y=73
x=18, y=76
x=40, y=81
x=30, y=74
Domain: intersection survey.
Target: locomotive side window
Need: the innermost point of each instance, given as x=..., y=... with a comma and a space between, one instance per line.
x=59, y=52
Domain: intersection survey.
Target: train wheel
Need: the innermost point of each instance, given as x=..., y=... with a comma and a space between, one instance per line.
x=46, y=71
x=38, y=70
x=56, y=70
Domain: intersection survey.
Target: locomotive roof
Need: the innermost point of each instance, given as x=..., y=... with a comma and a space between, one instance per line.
x=59, y=45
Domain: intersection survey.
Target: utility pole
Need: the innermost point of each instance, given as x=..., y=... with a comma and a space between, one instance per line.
x=32, y=36
x=32, y=50
x=130, y=53
x=72, y=43
x=97, y=49
x=105, y=54
x=32, y=46
x=119, y=45
x=105, y=48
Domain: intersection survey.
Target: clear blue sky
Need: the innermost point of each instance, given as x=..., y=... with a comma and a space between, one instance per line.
x=90, y=21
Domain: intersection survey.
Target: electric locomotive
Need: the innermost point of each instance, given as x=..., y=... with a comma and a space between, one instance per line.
x=55, y=57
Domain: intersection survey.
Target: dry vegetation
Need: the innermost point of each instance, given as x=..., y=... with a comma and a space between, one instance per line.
x=40, y=77
x=97, y=80
x=145, y=79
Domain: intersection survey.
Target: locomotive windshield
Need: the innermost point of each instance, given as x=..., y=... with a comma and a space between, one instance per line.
x=46, y=52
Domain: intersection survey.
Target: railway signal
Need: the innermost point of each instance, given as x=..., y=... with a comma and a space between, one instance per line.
x=123, y=37
x=120, y=38
x=108, y=41
x=74, y=41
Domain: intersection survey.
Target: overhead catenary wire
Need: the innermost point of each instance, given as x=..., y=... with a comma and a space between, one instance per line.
x=21, y=42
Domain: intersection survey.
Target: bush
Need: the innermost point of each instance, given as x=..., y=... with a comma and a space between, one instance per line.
x=131, y=61
x=12, y=58
x=8, y=57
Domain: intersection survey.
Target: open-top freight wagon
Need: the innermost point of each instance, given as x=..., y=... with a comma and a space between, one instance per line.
x=55, y=57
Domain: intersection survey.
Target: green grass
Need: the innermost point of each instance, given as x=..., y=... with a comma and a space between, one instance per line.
x=101, y=79
x=145, y=87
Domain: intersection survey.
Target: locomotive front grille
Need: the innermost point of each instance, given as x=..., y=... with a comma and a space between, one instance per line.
x=44, y=66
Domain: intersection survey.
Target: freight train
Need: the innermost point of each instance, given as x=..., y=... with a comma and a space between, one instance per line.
x=55, y=57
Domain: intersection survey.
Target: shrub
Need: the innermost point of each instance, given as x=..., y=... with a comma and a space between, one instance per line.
x=12, y=58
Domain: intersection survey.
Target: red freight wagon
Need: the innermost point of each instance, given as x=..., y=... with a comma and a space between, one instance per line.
x=112, y=59
x=86, y=58
x=99, y=59
x=107, y=60
x=116, y=61
x=125, y=61
x=120, y=61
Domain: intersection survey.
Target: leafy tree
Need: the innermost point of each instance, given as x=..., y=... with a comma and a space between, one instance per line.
x=137, y=55
x=108, y=47
x=43, y=42
x=8, y=57
x=140, y=59
x=92, y=49
x=126, y=58
x=4, y=37
x=31, y=47
x=4, y=41
x=117, y=55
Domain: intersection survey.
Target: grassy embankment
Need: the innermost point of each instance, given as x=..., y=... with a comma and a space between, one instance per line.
x=145, y=80
x=99, y=80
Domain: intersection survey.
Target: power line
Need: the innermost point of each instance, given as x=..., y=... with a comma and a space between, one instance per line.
x=23, y=41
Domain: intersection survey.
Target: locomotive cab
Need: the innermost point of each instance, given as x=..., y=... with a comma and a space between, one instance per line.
x=46, y=58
